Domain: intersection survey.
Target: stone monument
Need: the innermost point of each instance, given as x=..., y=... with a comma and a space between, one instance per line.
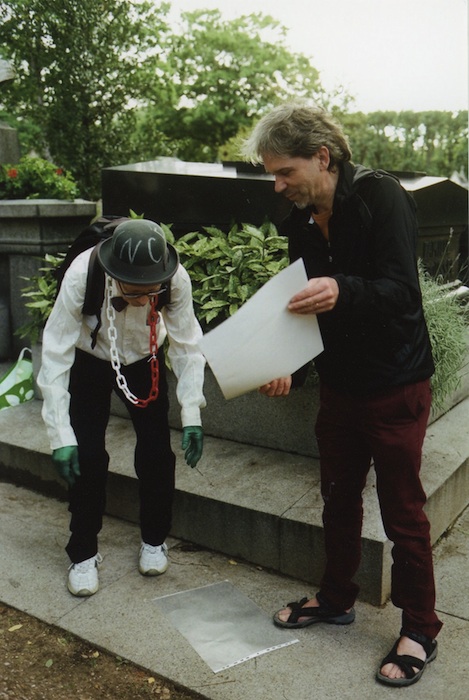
x=9, y=153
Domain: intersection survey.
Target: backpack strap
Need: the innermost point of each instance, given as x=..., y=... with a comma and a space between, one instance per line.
x=165, y=297
x=95, y=279
x=94, y=293
x=363, y=173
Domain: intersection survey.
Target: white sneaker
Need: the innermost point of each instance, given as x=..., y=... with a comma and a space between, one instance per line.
x=153, y=560
x=83, y=577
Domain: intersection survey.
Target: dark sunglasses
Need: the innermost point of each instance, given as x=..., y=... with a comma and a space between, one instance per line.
x=139, y=295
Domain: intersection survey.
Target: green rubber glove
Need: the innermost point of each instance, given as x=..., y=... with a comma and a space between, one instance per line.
x=65, y=460
x=192, y=443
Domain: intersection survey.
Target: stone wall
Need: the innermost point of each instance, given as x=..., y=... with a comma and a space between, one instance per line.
x=28, y=230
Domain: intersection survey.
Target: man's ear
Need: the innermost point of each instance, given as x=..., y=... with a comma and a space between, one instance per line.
x=324, y=157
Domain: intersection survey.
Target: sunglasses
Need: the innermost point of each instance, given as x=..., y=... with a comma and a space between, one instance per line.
x=139, y=295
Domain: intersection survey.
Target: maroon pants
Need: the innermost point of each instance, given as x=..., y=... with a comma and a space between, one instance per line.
x=388, y=430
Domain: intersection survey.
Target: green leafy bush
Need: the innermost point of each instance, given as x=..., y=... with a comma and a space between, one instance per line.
x=226, y=269
x=40, y=296
x=36, y=178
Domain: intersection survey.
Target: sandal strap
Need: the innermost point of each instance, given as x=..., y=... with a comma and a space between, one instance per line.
x=427, y=643
x=297, y=611
x=406, y=663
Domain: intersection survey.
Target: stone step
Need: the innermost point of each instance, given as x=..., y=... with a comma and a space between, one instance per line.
x=251, y=502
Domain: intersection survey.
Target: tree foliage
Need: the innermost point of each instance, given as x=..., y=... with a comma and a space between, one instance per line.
x=431, y=142
x=79, y=67
x=224, y=74
x=108, y=82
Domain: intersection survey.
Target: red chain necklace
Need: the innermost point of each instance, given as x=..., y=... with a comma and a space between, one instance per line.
x=153, y=319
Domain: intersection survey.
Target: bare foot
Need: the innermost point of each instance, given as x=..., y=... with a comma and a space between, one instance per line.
x=406, y=647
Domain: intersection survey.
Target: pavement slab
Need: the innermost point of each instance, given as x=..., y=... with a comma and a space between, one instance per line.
x=123, y=617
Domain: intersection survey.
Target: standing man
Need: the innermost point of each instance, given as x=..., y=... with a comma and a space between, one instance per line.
x=356, y=232
x=147, y=297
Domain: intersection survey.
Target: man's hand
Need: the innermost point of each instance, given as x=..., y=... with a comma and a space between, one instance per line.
x=192, y=443
x=277, y=387
x=65, y=460
x=319, y=295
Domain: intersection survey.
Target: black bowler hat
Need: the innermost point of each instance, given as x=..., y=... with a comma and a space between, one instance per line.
x=137, y=253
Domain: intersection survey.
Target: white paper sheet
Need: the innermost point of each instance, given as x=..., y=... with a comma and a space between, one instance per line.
x=223, y=626
x=263, y=340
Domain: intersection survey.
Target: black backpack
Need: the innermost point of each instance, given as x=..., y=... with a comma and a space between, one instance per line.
x=98, y=231
x=363, y=173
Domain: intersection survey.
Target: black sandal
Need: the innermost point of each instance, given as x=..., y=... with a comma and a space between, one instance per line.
x=408, y=663
x=323, y=613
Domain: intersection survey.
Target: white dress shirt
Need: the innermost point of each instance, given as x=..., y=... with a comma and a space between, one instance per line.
x=67, y=328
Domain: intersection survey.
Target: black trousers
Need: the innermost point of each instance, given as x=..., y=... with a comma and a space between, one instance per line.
x=92, y=382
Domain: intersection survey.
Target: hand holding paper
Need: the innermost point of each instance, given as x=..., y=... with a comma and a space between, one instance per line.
x=280, y=386
x=263, y=340
x=319, y=295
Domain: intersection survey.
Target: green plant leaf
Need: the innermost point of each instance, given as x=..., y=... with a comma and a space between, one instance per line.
x=41, y=304
x=215, y=304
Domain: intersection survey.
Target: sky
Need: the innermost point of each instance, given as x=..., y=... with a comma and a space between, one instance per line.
x=389, y=54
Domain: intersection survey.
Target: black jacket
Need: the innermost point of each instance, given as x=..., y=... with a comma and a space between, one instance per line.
x=376, y=337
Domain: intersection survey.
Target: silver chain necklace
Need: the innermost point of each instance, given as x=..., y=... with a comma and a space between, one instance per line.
x=115, y=362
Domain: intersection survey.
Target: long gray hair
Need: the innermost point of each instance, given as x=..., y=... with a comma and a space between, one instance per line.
x=296, y=130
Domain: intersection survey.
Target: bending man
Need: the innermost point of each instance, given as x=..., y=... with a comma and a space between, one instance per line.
x=144, y=284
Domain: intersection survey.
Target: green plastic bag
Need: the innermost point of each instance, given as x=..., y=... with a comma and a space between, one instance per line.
x=17, y=386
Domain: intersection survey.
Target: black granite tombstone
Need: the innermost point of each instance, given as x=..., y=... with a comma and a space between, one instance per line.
x=192, y=195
